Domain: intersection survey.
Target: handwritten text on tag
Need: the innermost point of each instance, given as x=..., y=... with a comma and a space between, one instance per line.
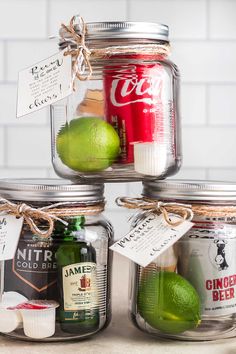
x=10, y=229
x=44, y=83
x=150, y=238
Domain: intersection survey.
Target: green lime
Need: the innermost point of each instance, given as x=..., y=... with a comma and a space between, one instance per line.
x=168, y=302
x=88, y=144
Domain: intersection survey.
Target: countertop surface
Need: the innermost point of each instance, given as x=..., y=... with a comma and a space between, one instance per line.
x=120, y=336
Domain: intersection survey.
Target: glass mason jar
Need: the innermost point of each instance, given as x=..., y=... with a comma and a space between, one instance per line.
x=189, y=291
x=57, y=288
x=123, y=122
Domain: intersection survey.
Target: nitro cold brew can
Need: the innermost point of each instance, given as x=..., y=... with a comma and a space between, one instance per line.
x=207, y=259
x=33, y=271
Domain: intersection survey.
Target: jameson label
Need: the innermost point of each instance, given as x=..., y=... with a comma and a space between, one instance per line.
x=207, y=259
x=79, y=286
x=33, y=271
x=150, y=238
x=44, y=83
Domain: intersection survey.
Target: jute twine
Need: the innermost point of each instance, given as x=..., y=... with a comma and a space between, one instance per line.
x=81, y=54
x=184, y=211
x=48, y=214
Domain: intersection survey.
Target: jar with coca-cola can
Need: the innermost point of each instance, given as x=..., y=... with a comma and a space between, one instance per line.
x=121, y=123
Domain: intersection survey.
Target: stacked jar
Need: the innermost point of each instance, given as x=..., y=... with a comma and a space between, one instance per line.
x=121, y=123
x=189, y=291
x=57, y=286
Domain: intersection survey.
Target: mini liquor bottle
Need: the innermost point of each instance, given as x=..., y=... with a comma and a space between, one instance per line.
x=76, y=261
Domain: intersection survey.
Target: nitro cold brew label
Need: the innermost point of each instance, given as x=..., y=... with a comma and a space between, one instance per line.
x=33, y=271
x=207, y=259
x=79, y=286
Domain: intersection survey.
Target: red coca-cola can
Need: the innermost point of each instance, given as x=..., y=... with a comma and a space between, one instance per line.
x=134, y=104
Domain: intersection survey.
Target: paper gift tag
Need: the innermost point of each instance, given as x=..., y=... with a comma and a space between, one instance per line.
x=150, y=238
x=10, y=230
x=44, y=83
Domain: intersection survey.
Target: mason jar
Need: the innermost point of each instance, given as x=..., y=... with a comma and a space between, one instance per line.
x=122, y=120
x=57, y=287
x=189, y=291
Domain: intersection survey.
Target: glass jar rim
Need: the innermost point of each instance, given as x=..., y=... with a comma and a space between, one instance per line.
x=52, y=190
x=122, y=30
x=190, y=190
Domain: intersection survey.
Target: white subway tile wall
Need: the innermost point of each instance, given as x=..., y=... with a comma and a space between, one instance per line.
x=92, y=10
x=203, y=37
x=193, y=104
x=23, y=19
x=187, y=18
x=221, y=100
x=222, y=23
x=22, y=53
x=2, y=60
x=28, y=146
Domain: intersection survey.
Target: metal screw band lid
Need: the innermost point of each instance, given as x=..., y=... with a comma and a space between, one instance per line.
x=54, y=190
x=190, y=190
x=123, y=30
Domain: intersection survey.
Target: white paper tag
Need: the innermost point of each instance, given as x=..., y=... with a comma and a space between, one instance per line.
x=150, y=238
x=10, y=230
x=44, y=83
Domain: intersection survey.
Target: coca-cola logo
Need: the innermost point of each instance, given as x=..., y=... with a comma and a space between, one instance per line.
x=127, y=91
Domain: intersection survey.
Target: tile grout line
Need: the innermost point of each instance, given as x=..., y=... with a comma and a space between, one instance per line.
x=5, y=55
x=48, y=172
x=5, y=146
x=127, y=10
x=48, y=11
x=208, y=19
x=207, y=104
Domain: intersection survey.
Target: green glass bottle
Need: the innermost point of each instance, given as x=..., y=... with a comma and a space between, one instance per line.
x=76, y=261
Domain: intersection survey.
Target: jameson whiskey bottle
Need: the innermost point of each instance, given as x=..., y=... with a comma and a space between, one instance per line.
x=76, y=261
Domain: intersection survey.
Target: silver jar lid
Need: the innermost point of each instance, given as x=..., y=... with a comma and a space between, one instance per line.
x=54, y=190
x=190, y=190
x=122, y=30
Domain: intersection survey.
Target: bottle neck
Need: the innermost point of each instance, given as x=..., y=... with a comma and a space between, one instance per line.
x=73, y=231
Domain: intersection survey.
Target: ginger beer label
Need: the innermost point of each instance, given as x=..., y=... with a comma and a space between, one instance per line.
x=207, y=259
x=79, y=286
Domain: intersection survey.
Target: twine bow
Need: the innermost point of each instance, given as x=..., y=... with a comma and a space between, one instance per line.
x=183, y=211
x=30, y=215
x=47, y=214
x=80, y=54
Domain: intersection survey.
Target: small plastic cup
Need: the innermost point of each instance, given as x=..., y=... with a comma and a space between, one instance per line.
x=12, y=298
x=10, y=320
x=150, y=158
x=39, y=318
